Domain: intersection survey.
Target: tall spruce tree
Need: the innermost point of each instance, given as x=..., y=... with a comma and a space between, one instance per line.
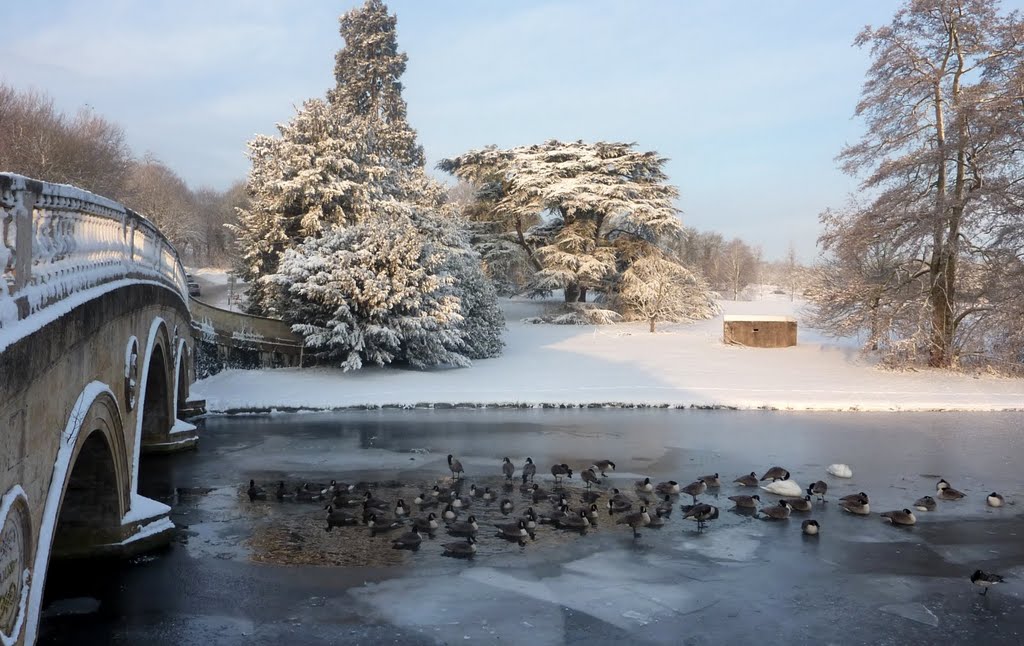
x=343, y=163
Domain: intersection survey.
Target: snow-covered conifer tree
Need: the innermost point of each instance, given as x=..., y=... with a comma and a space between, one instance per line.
x=372, y=292
x=587, y=201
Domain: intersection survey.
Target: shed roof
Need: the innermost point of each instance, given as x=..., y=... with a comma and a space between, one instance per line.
x=758, y=318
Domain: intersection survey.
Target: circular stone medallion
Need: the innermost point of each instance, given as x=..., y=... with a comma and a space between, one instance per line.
x=14, y=546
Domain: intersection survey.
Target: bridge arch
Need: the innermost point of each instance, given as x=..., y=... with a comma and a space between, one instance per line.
x=90, y=490
x=182, y=375
x=156, y=412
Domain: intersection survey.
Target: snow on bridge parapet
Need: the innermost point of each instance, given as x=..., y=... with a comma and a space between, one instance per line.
x=759, y=330
x=58, y=240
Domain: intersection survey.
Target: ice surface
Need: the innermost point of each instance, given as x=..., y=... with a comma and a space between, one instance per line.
x=913, y=611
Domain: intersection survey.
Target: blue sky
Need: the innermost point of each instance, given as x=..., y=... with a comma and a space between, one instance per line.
x=751, y=100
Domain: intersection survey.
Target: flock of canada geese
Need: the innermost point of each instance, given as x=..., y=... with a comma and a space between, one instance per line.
x=349, y=504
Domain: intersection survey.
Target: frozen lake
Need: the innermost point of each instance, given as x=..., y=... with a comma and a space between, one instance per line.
x=268, y=573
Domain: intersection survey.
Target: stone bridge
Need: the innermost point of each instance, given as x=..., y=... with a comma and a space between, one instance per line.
x=95, y=362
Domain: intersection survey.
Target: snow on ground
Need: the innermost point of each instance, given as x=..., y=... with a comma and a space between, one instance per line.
x=681, y=365
x=213, y=282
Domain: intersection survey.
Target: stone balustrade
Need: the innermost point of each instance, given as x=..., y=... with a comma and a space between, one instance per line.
x=57, y=241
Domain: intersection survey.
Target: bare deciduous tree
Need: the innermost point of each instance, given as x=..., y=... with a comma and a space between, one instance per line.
x=656, y=289
x=941, y=103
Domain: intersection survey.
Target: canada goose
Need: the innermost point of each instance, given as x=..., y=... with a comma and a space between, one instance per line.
x=775, y=473
x=442, y=495
x=855, y=497
x=517, y=531
x=506, y=506
x=425, y=500
x=314, y=487
x=589, y=477
x=428, y=524
x=665, y=506
x=530, y=519
x=603, y=466
x=777, y=512
x=819, y=489
x=559, y=501
x=464, y=528
x=618, y=495
x=702, y=513
x=618, y=505
x=281, y=492
x=256, y=493
x=449, y=512
x=370, y=501
x=783, y=487
x=487, y=495
x=800, y=504
x=508, y=468
x=560, y=471
x=590, y=496
x=925, y=503
x=343, y=499
x=746, y=502
x=657, y=520
x=461, y=502
x=985, y=580
x=590, y=512
x=635, y=520
x=529, y=470
x=464, y=549
x=644, y=486
x=339, y=519
x=455, y=467
x=899, y=517
x=537, y=493
x=994, y=500
x=474, y=492
x=400, y=509
x=305, y=495
x=695, y=489
x=576, y=522
x=857, y=505
x=407, y=541
x=947, y=492
x=671, y=487
x=381, y=524
x=329, y=489
x=810, y=527
x=747, y=480
x=712, y=480
x=556, y=515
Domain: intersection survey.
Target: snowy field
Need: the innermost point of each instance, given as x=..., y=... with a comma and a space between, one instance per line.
x=679, y=366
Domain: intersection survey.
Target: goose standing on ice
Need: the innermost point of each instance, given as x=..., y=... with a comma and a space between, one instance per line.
x=712, y=481
x=589, y=477
x=695, y=489
x=985, y=579
x=455, y=467
x=635, y=520
x=819, y=489
x=508, y=469
x=604, y=466
x=529, y=470
x=560, y=471
x=702, y=513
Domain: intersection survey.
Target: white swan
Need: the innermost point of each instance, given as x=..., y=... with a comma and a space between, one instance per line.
x=840, y=470
x=783, y=488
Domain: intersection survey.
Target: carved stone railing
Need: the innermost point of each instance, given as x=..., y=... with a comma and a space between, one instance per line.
x=57, y=241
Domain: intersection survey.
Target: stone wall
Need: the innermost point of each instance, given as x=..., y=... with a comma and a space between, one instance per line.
x=760, y=331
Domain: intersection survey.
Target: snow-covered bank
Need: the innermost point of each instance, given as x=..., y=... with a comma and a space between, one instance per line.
x=681, y=366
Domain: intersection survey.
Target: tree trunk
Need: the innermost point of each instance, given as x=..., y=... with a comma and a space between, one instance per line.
x=572, y=292
x=652, y=325
x=526, y=246
x=583, y=295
